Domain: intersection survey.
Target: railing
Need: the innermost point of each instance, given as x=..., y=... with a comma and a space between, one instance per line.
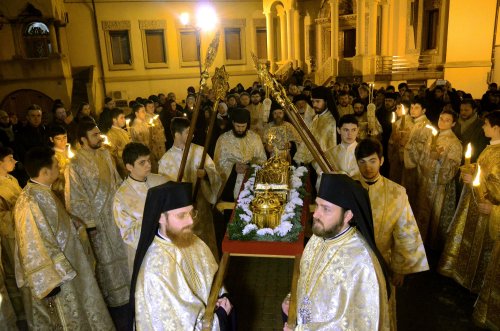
x=397, y=64
x=324, y=72
x=285, y=71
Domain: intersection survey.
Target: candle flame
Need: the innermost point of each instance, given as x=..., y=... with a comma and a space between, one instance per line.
x=70, y=152
x=156, y=117
x=403, y=110
x=434, y=131
x=127, y=121
x=151, y=122
x=106, y=140
x=468, y=153
x=477, y=180
x=393, y=117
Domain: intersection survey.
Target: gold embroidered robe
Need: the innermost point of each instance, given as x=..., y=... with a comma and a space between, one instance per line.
x=395, y=149
x=7, y=314
x=118, y=138
x=207, y=195
x=91, y=182
x=341, y=286
x=128, y=208
x=158, y=139
x=229, y=149
x=324, y=129
x=258, y=118
x=417, y=138
x=396, y=233
x=364, y=130
x=173, y=286
x=9, y=192
x=468, y=247
x=487, y=307
x=50, y=255
x=342, y=159
x=142, y=132
x=63, y=161
x=436, y=187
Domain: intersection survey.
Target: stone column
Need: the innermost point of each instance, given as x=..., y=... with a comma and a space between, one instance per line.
x=385, y=30
x=296, y=38
x=289, y=33
x=53, y=39
x=284, y=53
x=270, y=38
x=360, y=28
x=334, y=14
x=372, y=28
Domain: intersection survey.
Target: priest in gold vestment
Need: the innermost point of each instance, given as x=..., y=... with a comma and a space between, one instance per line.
x=438, y=163
x=210, y=179
x=51, y=262
x=158, y=137
x=235, y=150
x=323, y=126
x=468, y=249
x=396, y=144
x=173, y=268
x=341, y=284
x=91, y=182
x=280, y=134
x=396, y=231
x=118, y=138
x=9, y=192
x=129, y=199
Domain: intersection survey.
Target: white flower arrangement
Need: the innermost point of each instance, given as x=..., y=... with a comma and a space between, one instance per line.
x=294, y=202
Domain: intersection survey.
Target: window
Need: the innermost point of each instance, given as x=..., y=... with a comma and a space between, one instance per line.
x=37, y=40
x=189, y=48
x=154, y=43
x=234, y=42
x=349, y=43
x=118, y=44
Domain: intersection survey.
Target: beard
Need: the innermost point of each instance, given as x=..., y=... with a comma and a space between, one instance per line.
x=182, y=238
x=318, y=228
x=96, y=145
x=239, y=135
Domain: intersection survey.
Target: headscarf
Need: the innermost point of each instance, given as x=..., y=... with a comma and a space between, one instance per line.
x=160, y=199
x=343, y=191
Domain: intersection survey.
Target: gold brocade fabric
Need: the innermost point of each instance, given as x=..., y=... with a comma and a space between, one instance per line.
x=151, y=136
x=158, y=139
x=341, y=286
x=324, y=129
x=343, y=160
x=230, y=149
x=118, y=138
x=364, y=131
x=468, y=247
x=173, y=286
x=436, y=187
x=50, y=255
x=7, y=314
x=91, y=182
x=128, y=208
x=417, y=138
x=396, y=233
x=258, y=118
x=58, y=185
x=487, y=308
x=395, y=149
x=9, y=192
x=169, y=166
x=282, y=135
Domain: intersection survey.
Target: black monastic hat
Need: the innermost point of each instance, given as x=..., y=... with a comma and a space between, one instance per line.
x=240, y=115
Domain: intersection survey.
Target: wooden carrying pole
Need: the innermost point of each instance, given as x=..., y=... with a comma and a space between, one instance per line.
x=211, y=53
x=220, y=86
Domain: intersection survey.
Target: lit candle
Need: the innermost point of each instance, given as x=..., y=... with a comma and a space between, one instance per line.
x=403, y=117
x=393, y=117
x=151, y=122
x=70, y=152
x=127, y=123
x=434, y=134
x=106, y=140
x=468, y=154
x=477, y=183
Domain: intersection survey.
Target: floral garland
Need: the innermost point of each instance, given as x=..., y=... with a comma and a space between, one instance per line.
x=288, y=231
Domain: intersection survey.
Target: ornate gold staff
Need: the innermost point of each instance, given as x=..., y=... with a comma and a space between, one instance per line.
x=220, y=86
x=209, y=60
x=279, y=94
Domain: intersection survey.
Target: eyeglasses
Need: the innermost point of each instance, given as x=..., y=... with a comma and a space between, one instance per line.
x=184, y=216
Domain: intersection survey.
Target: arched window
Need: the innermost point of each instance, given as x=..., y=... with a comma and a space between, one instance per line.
x=37, y=40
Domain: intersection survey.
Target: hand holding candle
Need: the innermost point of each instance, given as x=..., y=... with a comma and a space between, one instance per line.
x=403, y=117
x=468, y=154
x=70, y=152
x=477, y=183
x=434, y=135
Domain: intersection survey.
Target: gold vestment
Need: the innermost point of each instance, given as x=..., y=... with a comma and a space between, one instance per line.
x=63, y=161
x=91, y=182
x=7, y=314
x=281, y=136
x=341, y=286
x=9, y=192
x=128, y=208
x=149, y=135
x=395, y=149
x=173, y=286
x=207, y=195
x=50, y=255
x=468, y=248
x=118, y=138
x=436, y=187
x=396, y=233
x=258, y=118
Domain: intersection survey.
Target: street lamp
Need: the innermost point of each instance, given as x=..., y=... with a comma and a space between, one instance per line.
x=206, y=20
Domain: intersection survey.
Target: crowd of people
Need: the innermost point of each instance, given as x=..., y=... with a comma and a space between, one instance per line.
x=97, y=233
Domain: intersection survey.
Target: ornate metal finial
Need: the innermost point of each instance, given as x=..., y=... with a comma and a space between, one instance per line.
x=212, y=51
x=220, y=83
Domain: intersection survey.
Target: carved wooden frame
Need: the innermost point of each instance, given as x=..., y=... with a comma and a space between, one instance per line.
x=108, y=26
x=144, y=26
